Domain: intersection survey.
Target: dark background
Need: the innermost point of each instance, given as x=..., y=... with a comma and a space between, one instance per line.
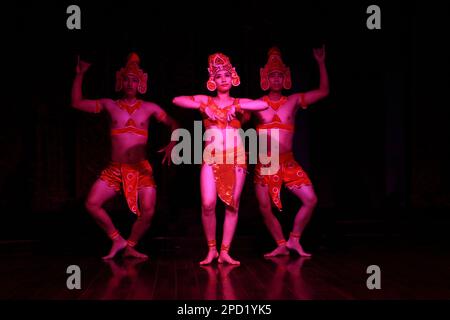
x=376, y=148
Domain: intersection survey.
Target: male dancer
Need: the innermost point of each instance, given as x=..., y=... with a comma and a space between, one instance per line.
x=128, y=171
x=280, y=115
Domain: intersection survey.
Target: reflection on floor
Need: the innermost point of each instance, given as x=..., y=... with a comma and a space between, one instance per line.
x=406, y=273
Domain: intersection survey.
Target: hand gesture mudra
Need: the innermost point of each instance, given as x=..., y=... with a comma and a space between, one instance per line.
x=319, y=54
x=82, y=66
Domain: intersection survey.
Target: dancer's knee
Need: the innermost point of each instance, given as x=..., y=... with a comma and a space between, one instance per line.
x=147, y=213
x=92, y=206
x=310, y=201
x=208, y=207
x=265, y=208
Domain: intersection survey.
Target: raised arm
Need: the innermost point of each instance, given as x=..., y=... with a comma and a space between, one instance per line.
x=310, y=97
x=93, y=106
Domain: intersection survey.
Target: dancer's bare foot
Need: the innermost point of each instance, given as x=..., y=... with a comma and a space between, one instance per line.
x=118, y=245
x=279, y=251
x=133, y=253
x=294, y=244
x=212, y=254
x=224, y=257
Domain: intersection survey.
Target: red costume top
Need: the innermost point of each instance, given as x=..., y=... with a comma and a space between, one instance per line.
x=130, y=125
x=221, y=115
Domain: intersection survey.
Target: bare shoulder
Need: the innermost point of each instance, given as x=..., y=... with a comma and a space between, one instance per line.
x=107, y=101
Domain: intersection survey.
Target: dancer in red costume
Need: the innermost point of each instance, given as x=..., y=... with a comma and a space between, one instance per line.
x=128, y=171
x=219, y=176
x=275, y=77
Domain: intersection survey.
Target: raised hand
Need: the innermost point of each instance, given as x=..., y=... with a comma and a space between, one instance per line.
x=82, y=66
x=319, y=54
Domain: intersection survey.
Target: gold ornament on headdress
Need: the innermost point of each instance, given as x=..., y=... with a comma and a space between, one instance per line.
x=218, y=62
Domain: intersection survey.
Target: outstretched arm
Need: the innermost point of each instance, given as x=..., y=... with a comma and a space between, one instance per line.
x=190, y=102
x=248, y=105
x=194, y=102
x=253, y=105
x=310, y=97
x=93, y=106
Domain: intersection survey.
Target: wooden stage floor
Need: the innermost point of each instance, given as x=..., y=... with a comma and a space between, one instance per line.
x=407, y=272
